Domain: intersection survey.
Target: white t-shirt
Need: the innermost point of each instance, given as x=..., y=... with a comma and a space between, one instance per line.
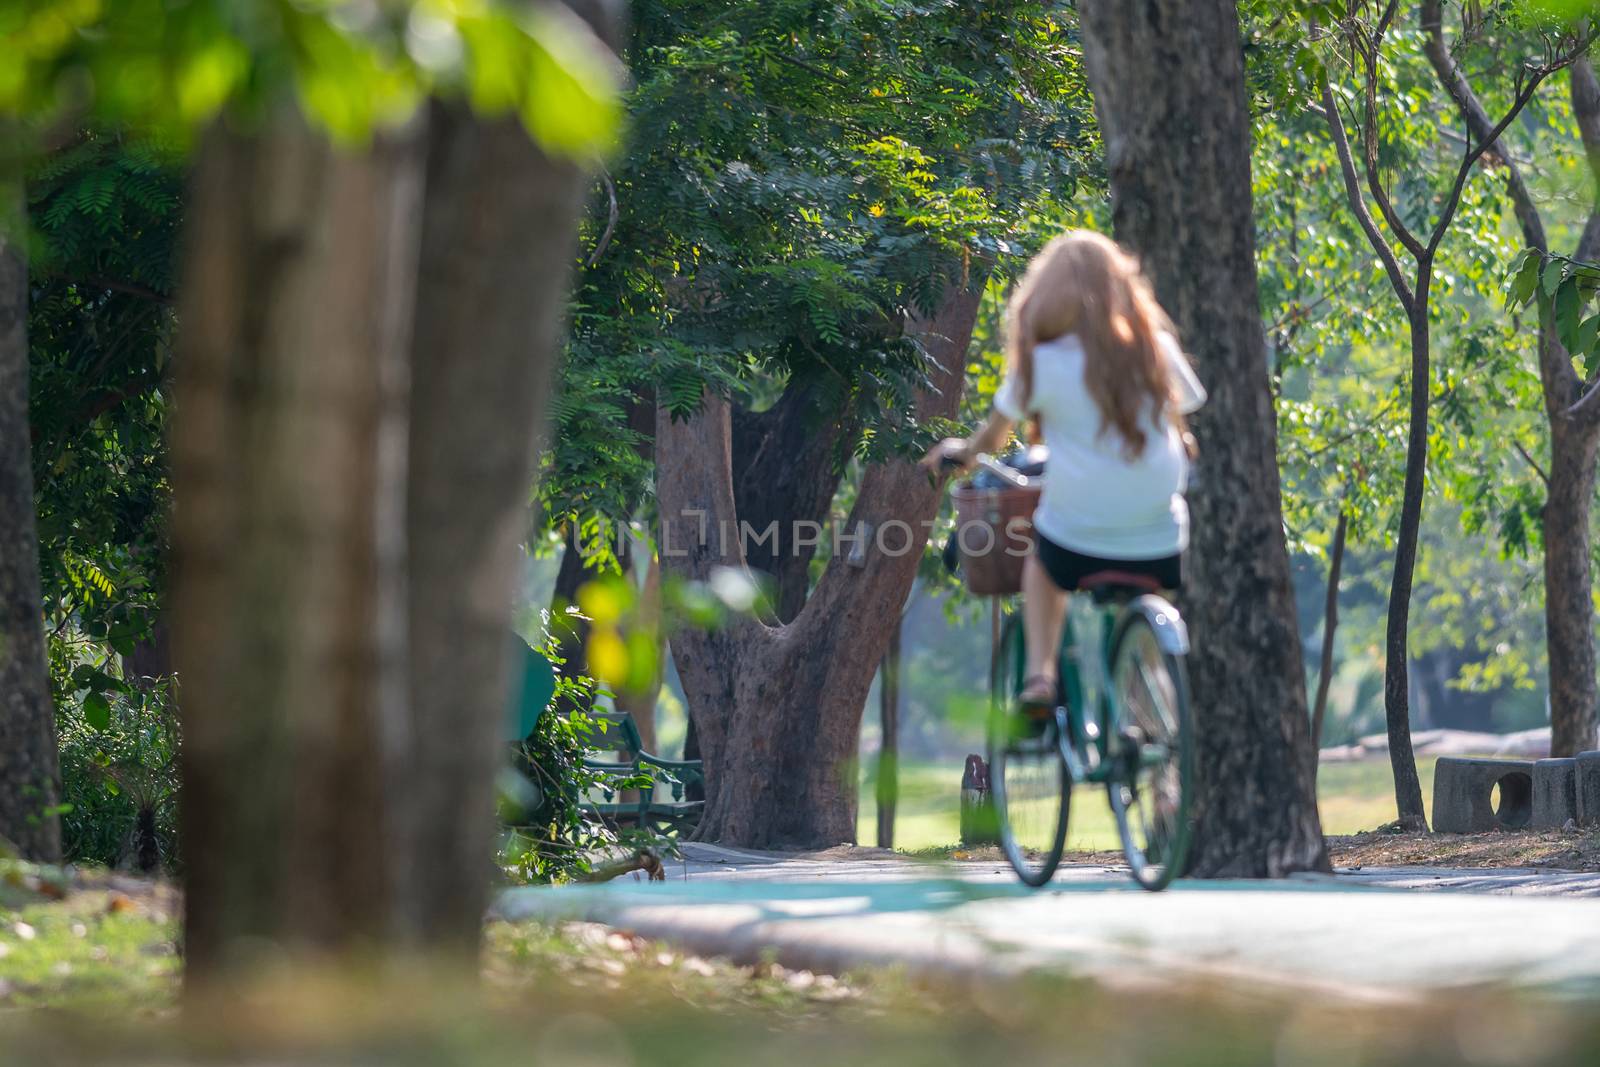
x=1097, y=501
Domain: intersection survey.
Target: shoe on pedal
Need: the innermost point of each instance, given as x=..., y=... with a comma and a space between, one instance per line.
x=1038, y=696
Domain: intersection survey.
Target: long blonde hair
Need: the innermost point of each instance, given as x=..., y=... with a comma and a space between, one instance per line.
x=1084, y=284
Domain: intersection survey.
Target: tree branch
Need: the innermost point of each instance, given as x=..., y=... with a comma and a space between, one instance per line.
x=127, y=288
x=611, y=220
x=1586, y=411
x=1369, y=141
x=1358, y=203
x=1473, y=154
x=1478, y=124
x=1557, y=378
x=1543, y=477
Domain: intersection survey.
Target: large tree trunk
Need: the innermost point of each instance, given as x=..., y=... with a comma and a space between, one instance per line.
x=29, y=780
x=1168, y=81
x=777, y=708
x=787, y=469
x=1396, y=680
x=1574, y=441
x=1569, y=585
x=288, y=589
x=498, y=234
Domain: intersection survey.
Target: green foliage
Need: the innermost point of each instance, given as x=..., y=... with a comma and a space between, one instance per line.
x=105, y=212
x=1562, y=290
x=1340, y=343
x=353, y=68
x=800, y=179
x=119, y=772
x=1568, y=11
x=548, y=835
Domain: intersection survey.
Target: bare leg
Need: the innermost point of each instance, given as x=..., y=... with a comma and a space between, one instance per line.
x=1044, y=610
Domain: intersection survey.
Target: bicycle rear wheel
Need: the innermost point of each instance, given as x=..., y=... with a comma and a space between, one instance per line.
x=1029, y=780
x=1152, y=741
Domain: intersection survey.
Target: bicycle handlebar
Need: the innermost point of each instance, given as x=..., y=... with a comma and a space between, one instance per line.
x=1007, y=474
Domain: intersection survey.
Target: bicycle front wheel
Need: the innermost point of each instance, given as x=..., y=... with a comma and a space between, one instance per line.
x=1030, y=782
x=1152, y=743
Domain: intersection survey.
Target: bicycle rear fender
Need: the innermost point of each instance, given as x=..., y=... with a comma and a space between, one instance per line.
x=1172, y=635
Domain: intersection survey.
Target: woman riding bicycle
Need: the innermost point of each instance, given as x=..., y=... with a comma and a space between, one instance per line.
x=1094, y=368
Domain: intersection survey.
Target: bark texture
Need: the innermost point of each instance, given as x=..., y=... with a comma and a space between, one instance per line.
x=288, y=595
x=498, y=233
x=777, y=707
x=29, y=778
x=1396, y=663
x=786, y=471
x=1178, y=153
x=1569, y=585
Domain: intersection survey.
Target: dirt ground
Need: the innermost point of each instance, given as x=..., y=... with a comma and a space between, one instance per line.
x=1565, y=850
x=1557, y=849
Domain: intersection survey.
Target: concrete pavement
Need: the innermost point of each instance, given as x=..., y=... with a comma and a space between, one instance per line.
x=1375, y=933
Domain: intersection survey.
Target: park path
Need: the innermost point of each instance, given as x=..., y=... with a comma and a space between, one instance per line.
x=1377, y=933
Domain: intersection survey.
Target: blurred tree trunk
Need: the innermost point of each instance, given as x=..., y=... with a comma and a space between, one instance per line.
x=352, y=454
x=1168, y=80
x=499, y=233
x=288, y=588
x=29, y=780
x=777, y=706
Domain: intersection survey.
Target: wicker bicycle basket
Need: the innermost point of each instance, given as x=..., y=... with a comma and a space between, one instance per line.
x=994, y=530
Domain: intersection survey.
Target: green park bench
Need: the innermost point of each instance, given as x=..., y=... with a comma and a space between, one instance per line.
x=618, y=735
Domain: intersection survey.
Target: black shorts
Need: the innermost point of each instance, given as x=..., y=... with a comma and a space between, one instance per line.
x=1068, y=568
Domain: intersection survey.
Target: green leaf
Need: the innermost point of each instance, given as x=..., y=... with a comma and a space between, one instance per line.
x=207, y=77
x=573, y=105
x=1567, y=305
x=1588, y=333
x=87, y=676
x=1552, y=277
x=1525, y=280
x=97, y=710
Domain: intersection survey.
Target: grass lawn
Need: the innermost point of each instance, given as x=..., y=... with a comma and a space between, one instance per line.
x=1352, y=797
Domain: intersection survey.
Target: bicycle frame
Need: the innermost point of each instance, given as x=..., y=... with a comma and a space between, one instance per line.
x=1083, y=665
x=1085, y=713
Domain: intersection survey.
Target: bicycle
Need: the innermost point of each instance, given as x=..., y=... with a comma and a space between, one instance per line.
x=1121, y=719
